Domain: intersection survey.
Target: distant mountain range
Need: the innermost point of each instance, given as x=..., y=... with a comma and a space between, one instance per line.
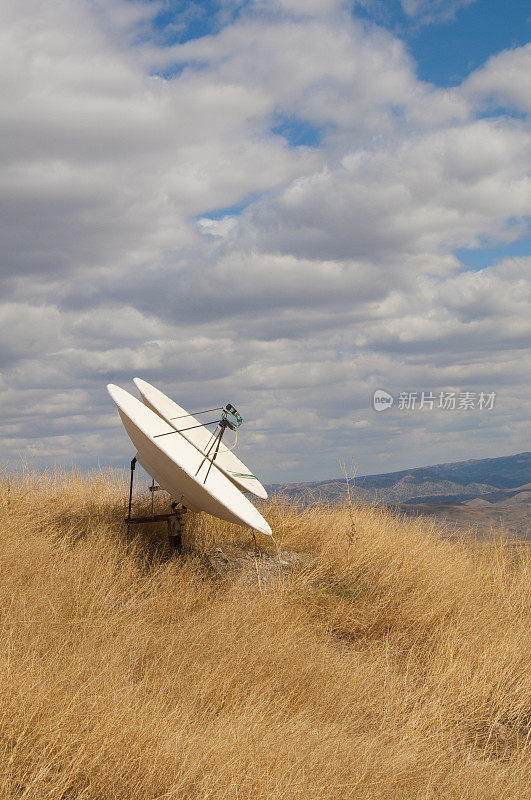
x=485, y=491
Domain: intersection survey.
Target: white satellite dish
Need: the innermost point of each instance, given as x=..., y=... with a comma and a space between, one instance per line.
x=180, y=468
x=200, y=437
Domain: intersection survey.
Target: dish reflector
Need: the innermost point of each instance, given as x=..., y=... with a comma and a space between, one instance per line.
x=192, y=430
x=180, y=468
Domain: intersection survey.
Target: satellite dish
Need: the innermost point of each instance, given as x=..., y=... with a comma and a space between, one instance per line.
x=180, y=468
x=200, y=437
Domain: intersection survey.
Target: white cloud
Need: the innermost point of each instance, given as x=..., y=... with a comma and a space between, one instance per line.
x=418, y=194
x=312, y=8
x=336, y=279
x=505, y=80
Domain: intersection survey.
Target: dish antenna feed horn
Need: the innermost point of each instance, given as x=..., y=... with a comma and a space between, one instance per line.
x=230, y=418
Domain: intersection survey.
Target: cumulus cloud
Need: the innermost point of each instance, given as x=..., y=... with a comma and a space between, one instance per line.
x=158, y=220
x=505, y=80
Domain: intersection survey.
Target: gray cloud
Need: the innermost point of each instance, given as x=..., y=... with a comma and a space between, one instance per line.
x=336, y=279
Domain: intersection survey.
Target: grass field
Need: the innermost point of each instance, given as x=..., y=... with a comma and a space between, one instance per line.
x=385, y=663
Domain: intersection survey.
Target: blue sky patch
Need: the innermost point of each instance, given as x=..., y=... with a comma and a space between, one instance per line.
x=225, y=211
x=447, y=50
x=297, y=132
x=180, y=21
x=481, y=257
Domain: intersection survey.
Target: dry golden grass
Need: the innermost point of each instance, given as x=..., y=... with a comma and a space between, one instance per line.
x=388, y=664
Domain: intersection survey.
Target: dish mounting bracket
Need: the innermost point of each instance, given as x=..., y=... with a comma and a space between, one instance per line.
x=174, y=520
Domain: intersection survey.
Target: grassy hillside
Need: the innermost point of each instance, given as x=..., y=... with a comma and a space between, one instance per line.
x=384, y=662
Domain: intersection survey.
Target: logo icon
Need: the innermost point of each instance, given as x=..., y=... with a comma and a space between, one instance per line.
x=382, y=400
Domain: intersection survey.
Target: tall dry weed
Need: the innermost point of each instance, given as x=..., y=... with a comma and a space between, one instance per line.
x=390, y=664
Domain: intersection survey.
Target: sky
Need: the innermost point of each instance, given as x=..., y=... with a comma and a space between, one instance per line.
x=282, y=204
